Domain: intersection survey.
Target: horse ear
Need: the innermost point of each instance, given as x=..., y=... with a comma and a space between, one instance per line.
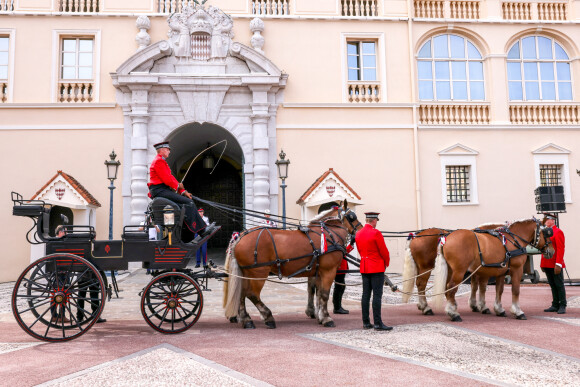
x=345, y=204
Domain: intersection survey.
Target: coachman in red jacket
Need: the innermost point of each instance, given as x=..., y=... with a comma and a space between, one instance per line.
x=163, y=184
x=553, y=267
x=374, y=259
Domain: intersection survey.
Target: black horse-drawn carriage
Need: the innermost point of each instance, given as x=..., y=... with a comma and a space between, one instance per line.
x=61, y=295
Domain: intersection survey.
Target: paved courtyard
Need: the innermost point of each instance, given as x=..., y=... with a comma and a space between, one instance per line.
x=421, y=350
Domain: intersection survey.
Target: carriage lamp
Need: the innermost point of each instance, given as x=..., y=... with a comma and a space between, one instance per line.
x=168, y=220
x=282, y=165
x=112, y=169
x=208, y=160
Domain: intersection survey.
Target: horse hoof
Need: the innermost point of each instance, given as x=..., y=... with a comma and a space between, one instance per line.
x=271, y=324
x=521, y=317
x=502, y=314
x=428, y=312
x=249, y=325
x=233, y=319
x=486, y=311
x=329, y=324
x=456, y=318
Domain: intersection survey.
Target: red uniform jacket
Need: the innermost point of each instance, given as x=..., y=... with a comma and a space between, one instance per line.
x=374, y=255
x=558, y=243
x=344, y=263
x=160, y=173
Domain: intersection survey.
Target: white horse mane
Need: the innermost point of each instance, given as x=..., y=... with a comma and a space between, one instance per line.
x=322, y=215
x=505, y=224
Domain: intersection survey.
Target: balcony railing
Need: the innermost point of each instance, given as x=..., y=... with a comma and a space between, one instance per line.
x=466, y=113
x=359, y=7
x=3, y=91
x=366, y=92
x=431, y=9
x=516, y=11
x=545, y=114
x=73, y=91
x=464, y=9
x=7, y=5
x=172, y=6
x=77, y=6
x=270, y=7
x=552, y=11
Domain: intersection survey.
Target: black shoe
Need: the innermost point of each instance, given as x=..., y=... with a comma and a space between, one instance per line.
x=382, y=327
x=197, y=265
x=341, y=310
x=101, y=320
x=367, y=325
x=551, y=309
x=562, y=309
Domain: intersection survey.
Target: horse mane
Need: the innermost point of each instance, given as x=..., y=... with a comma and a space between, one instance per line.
x=320, y=216
x=521, y=221
x=504, y=224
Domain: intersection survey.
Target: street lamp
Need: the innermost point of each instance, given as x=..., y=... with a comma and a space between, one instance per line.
x=112, y=169
x=282, y=165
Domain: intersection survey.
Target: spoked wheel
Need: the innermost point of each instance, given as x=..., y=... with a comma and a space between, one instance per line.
x=172, y=302
x=58, y=297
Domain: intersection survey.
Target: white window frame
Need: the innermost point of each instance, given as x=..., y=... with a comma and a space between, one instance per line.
x=380, y=58
x=11, y=33
x=448, y=158
x=560, y=158
x=57, y=36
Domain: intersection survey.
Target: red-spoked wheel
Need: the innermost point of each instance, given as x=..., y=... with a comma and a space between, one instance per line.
x=58, y=297
x=172, y=302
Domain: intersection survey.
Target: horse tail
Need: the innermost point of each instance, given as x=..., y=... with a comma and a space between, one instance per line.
x=409, y=271
x=233, y=284
x=440, y=274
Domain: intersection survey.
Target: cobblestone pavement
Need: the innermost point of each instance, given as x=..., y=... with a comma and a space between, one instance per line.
x=421, y=350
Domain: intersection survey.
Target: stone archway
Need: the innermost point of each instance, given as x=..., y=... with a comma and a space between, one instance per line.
x=170, y=84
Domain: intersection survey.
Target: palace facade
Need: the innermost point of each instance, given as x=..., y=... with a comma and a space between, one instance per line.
x=432, y=112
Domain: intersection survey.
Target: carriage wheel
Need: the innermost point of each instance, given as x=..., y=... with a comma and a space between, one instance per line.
x=172, y=302
x=58, y=297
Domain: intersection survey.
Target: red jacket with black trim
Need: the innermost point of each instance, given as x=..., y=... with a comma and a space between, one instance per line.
x=160, y=173
x=559, y=244
x=374, y=255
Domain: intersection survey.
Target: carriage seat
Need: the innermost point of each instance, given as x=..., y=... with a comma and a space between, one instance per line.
x=135, y=233
x=31, y=210
x=81, y=233
x=156, y=209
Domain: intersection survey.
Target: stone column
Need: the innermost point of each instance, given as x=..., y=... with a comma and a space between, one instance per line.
x=260, y=144
x=139, y=168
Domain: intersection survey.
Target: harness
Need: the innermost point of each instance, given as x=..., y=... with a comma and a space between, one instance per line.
x=334, y=244
x=500, y=233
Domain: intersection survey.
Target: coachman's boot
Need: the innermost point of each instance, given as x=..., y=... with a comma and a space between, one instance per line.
x=562, y=309
x=551, y=309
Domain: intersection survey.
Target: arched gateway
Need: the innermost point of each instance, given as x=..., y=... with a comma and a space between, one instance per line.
x=198, y=87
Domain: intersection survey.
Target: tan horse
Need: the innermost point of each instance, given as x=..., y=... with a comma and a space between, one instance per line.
x=262, y=251
x=419, y=261
x=467, y=250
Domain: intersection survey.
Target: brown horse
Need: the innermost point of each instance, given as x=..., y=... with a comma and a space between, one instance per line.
x=261, y=251
x=420, y=257
x=467, y=250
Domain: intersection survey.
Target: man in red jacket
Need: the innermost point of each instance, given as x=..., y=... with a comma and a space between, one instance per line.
x=163, y=184
x=553, y=267
x=374, y=259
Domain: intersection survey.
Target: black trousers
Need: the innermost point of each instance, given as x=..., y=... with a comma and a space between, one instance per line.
x=193, y=221
x=338, y=291
x=557, y=285
x=372, y=282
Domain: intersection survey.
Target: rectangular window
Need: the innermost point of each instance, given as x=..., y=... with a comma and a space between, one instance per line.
x=76, y=59
x=550, y=174
x=457, y=183
x=362, y=61
x=4, y=51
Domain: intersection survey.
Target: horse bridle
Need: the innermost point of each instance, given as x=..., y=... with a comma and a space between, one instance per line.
x=351, y=218
x=548, y=232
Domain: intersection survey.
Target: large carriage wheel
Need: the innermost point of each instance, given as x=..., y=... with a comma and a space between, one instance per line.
x=58, y=297
x=172, y=302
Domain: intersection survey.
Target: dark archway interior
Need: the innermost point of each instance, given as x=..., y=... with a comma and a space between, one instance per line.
x=224, y=185
x=59, y=216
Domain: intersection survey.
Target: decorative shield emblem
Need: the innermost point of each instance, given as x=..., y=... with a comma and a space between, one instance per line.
x=330, y=190
x=59, y=192
x=107, y=249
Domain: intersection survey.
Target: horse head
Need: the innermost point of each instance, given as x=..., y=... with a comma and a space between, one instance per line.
x=349, y=218
x=540, y=234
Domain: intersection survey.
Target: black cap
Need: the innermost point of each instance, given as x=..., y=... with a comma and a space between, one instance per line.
x=550, y=216
x=372, y=215
x=164, y=144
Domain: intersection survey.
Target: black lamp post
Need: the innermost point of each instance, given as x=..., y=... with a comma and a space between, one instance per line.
x=112, y=169
x=282, y=165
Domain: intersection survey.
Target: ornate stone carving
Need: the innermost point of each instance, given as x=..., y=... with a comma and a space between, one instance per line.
x=257, y=26
x=200, y=34
x=143, y=38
